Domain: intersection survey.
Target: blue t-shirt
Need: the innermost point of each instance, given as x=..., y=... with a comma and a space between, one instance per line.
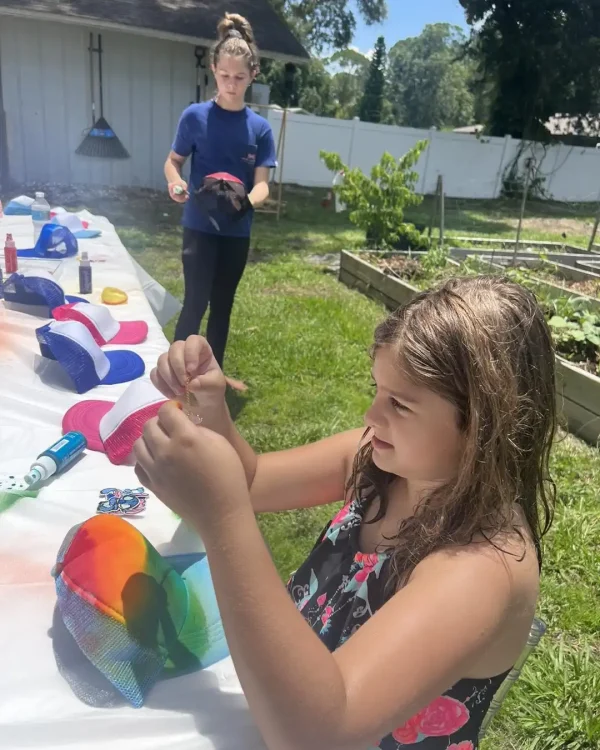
x=219, y=140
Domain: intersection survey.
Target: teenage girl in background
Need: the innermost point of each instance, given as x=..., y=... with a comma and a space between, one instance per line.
x=419, y=595
x=223, y=135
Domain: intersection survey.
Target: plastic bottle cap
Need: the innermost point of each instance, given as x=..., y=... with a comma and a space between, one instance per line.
x=84, y=255
x=41, y=470
x=39, y=195
x=33, y=477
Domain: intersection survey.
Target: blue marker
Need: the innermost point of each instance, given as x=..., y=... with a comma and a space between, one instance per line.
x=57, y=457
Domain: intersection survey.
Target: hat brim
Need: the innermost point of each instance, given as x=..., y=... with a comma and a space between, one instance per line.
x=71, y=300
x=130, y=332
x=85, y=417
x=124, y=367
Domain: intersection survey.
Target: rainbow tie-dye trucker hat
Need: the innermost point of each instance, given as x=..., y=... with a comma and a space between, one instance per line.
x=130, y=613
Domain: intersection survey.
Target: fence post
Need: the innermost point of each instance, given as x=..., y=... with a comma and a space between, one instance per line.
x=434, y=209
x=432, y=132
x=355, y=126
x=558, y=150
x=523, y=204
x=594, y=231
x=442, y=211
x=497, y=185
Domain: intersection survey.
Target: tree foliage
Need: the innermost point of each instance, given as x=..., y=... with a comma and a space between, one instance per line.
x=331, y=23
x=539, y=58
x=432, y=80
x=308, y=86
x=371, y=105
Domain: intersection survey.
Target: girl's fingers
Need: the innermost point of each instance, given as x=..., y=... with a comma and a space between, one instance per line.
x=165, y=388
x=143, y=456
x=176, y=364
x=144, y=479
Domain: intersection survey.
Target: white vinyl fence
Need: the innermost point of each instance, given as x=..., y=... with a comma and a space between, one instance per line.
x=472, y=167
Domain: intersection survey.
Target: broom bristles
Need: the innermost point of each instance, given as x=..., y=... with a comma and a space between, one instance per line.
x=102, y=142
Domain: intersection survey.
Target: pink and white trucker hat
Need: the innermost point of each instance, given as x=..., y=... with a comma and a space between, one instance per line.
x=113, y=428
x=101, y=324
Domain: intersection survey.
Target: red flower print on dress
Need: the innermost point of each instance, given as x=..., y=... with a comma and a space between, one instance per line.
x=369, y=562
x=322, y=599
x=441, y=718
x=408, y=734
x=341, y=516
x=326, y=615
x=468, y=745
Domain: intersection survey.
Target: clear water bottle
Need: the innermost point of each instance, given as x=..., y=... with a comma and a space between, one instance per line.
x=40, y=213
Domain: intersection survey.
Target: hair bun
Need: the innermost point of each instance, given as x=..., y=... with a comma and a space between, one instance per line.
x=232, y=25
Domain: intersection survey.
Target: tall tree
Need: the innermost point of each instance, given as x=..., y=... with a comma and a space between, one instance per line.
x=347, y=84
x=329, y=23
x=539, y=58
x=371, y=105
x=308, y=86
x=432, y=80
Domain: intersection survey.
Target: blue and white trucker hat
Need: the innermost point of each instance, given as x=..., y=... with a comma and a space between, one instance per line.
x=72, y=345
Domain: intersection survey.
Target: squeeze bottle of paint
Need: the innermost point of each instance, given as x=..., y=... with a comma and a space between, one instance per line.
x=10, y=255
x=57, y=457
x=85, y=274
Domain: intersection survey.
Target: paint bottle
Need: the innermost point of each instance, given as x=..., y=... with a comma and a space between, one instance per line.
x=56, y=458
x=85, y=274
x=10, y=255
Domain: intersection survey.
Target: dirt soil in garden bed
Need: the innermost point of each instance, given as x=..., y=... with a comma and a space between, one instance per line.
x=590, y=287
x=409, y=269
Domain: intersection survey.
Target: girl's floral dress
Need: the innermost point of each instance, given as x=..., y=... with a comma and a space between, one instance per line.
x=337, y=589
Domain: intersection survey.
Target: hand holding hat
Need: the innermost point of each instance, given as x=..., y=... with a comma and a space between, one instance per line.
x=194, y=471
x=223, y=194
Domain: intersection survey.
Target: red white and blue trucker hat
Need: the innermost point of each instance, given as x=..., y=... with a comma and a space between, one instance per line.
x=102, y=325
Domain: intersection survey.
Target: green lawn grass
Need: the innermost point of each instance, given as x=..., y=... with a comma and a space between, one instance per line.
x=300, y=340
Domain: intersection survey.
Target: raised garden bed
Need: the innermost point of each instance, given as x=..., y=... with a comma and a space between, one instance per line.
x=571, y=260
x=525, y=245
x=399, y=280
x=553, y=280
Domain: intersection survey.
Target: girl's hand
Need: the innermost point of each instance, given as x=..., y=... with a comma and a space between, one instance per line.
x=191, y=363
x=194, y=471
x=179, y=191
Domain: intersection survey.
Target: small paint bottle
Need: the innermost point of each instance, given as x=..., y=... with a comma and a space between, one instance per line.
x=56, y=458
x=10, y=255
x=85, y=274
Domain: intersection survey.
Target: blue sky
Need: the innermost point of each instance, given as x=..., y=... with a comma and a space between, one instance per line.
x=407, y=18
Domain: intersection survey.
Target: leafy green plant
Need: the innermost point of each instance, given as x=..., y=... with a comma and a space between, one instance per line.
x=577, y=337
x=377, y=203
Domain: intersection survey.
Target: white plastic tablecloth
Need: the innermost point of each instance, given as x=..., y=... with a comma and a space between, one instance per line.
x=203, y=711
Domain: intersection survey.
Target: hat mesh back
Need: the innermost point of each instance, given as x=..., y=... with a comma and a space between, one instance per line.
x=48, y=292
x=131, y=667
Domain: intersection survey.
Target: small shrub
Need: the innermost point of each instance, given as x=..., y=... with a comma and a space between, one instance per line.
x=377, y=203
